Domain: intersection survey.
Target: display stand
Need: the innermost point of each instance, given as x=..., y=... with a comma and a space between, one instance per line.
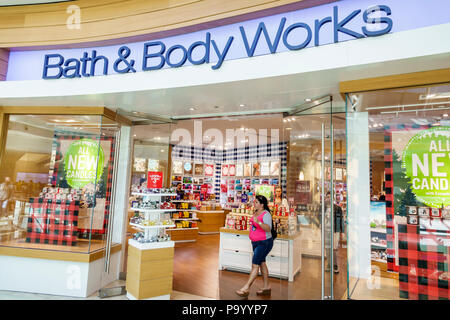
x=188, y=232
x=150, y=264
x=210, y=221
x=284, y=260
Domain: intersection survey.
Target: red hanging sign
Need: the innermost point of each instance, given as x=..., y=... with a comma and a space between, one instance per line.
x=154, y=179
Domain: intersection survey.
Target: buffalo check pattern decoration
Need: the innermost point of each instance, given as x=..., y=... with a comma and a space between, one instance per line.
x=269, y=152
x=53, y=222
x=389, y=190
x=423, y=263
x=56, y=162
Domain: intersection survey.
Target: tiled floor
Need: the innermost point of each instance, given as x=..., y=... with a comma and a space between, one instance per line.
x=12, y=295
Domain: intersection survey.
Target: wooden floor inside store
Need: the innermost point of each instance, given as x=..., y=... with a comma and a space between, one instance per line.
x=196, y=272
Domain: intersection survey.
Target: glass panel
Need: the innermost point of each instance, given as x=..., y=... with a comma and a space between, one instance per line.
x=57, y=171
x=310, y=135
x=106, y=186
x=399, y=239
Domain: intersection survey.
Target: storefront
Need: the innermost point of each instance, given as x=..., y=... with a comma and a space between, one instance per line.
x=224, y=114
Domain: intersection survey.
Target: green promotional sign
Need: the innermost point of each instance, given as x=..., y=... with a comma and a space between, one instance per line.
x=265, y=190
x=426, y=160
x=81, y=165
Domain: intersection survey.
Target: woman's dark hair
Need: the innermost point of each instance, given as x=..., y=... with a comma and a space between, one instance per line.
x=263, y=200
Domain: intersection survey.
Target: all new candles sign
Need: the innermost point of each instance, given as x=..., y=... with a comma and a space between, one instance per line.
x=426, y=160
x=155, y=179
x=83, y=163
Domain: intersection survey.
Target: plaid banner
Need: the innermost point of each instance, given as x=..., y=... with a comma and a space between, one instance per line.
x=389, y=190
x=423, y=263
x=57, y=160
x=53, y=222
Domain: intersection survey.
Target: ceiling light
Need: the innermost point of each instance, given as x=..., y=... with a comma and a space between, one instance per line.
x=288, y=128
x=157, y=138
x=284, y=120
x=162, y=150
x=445, y=115
x=135, y=135
x=442, y=95
x=192, y=108
x=242, y=105
x=308, y=100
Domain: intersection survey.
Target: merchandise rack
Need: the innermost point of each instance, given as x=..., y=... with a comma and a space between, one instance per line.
x=184, y=234
x=152, y=214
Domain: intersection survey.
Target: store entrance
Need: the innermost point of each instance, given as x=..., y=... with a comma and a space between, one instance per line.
x=219, y=165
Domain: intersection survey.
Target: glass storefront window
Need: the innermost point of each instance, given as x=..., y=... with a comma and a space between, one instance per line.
x=399, y=227
x=56, y=182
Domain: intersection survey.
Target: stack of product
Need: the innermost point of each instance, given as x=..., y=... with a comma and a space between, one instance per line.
x=143, y=189
x=152, y=205
x=140, y=237
x=284, y=222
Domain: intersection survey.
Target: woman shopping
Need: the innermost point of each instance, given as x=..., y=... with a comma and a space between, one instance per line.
x=262, y=243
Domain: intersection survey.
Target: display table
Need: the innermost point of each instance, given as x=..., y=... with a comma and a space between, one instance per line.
x=210, y=221
x=284, y=261
x=149, y=270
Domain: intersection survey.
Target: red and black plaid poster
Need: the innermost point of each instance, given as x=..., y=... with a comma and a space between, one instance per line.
x=94, y=211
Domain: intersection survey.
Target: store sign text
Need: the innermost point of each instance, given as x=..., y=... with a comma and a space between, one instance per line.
x=156, y=54
x=426, y=159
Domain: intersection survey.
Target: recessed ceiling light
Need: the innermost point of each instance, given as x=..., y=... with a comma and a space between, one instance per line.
x=135, y=112
x=445, y=115
x=308, y=100
x=192, y=108
x=242, y=105
x=162, y=150
x=135, y=135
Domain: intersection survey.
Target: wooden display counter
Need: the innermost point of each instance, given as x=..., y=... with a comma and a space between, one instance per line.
x=283, y=261
x=149, y=270
x=183, y=234
x=210, y=221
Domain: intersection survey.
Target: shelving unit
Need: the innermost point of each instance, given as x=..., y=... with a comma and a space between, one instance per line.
x=184, y=234
x=150, y=264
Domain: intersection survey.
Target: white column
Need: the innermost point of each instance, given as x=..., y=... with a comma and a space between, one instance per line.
x=122, y=188
x=358, y=198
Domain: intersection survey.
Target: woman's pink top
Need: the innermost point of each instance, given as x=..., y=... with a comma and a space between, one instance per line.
x=256, y=232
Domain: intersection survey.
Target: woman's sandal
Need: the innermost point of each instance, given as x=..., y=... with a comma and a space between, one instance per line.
x=264, y=292
x=242, y=293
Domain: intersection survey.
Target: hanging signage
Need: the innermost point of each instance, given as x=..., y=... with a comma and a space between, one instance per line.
x=83, y=163
x=426, y=160
x=154, y=179
x=266, y=191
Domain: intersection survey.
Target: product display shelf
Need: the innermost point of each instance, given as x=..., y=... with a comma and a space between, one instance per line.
x=153, y=210
x=186, y=219
x=143, y=194
x=152, y=227
x=152, y=214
